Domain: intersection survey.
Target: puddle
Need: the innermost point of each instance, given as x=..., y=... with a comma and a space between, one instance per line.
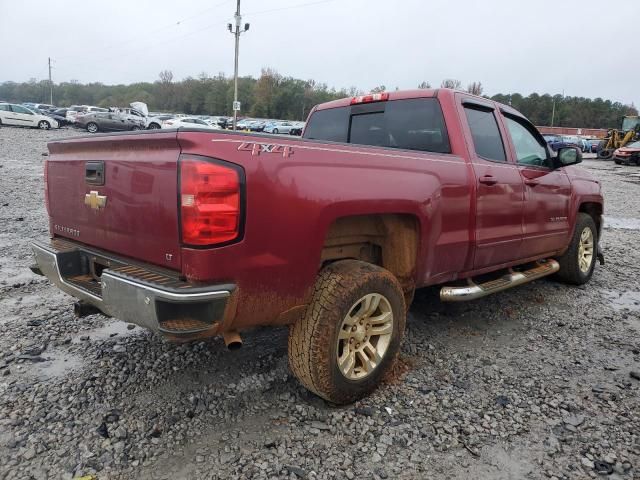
x=624, y=223
x=624, y=300
x=114, y=329
x=58, y=364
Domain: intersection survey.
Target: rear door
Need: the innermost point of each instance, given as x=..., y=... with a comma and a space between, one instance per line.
x=547, y=190
x=22, y=116
x=6, y=115
x=499, y=186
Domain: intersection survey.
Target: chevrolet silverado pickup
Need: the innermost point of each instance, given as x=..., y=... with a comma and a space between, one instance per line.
x=195, y=234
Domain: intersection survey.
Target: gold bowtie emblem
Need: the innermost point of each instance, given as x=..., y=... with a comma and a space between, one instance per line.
x=94, y=200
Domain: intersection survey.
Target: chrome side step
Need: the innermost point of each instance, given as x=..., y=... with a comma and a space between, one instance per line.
x=512, y=279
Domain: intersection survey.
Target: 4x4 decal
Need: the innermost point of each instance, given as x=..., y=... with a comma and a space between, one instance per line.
x=258, y=148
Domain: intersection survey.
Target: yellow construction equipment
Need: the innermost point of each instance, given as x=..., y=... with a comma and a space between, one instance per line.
x=619, y=138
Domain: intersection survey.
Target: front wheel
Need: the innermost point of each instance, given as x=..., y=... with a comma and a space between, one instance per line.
x=275, y=130
x=579, y=261
x=605, y=153
x=92, y=127
x=44, y=125
x=135, y=127
x=153, y=126
x=351, y=332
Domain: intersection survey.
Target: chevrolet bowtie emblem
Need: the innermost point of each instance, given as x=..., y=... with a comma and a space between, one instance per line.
x=94, y=200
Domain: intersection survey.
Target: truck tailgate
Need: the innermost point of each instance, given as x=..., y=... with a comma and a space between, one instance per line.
x=133, y=209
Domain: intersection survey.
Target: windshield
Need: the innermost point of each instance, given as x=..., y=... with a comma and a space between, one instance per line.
x=633, y=145
x=629, y=123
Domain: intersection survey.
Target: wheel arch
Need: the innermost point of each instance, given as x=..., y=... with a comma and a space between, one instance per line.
x=390, y=240
x=594, y=210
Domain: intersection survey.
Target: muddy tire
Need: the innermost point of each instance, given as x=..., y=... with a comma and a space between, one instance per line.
x=579, y=261
x=351, y=332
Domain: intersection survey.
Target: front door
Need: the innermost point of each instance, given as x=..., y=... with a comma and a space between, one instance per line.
x=547, y=190
x=499, y=188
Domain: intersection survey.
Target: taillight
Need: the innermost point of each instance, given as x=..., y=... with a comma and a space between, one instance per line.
x=210, y=202
x=46, y=185
x=372, y=97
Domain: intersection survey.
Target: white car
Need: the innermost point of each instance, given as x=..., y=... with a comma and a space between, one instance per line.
x=188, y=122
x=75, y=110
x=19, y=115
x=279, y=127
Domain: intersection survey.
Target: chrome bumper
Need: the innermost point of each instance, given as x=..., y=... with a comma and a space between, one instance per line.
x=134, y=294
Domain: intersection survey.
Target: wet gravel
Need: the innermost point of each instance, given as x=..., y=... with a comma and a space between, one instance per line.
x=537, y=382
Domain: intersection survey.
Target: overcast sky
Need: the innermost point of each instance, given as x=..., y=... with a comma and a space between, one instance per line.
x=509, y=45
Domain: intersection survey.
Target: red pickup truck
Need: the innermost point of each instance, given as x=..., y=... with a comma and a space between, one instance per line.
x=197, y=233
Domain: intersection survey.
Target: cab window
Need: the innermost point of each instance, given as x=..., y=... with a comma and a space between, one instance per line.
x=529, y=150
x=485, y=133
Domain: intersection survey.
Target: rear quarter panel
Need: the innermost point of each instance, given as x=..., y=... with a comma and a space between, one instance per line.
x=291, y=201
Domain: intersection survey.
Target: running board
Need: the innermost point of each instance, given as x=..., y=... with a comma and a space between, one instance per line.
x=512, y=279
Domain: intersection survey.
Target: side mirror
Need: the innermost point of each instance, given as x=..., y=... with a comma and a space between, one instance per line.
x=568, y=156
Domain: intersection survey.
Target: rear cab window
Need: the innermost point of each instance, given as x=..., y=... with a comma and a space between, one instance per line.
x=410, y=124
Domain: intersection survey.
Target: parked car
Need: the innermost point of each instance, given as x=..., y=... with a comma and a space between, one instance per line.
x=44, y=107
x=595, y=144
x=256, y=126
x=62, y=120
x=95, y=122
x=557, y=142
x=154, y=123
x=279, y=127
x=417, y=188
x=191, y=122
x=21, y=116
x=60, y=115
x=73, y=111
x=628, y=155
x=297, y=129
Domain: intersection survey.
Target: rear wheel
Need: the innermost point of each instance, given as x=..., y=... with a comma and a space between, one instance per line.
x=351, y=332
x=92, y=127
x=275, y=130
x=153, y=126
x=135, y=127
x=44, y=125
x=579, y=261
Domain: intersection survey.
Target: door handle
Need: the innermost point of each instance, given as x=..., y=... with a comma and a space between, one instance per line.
x=488, y=180
x=531, y=183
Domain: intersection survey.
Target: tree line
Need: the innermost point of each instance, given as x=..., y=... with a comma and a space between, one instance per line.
x=273, y=95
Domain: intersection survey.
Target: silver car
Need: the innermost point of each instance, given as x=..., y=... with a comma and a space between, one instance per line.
x=109, y=122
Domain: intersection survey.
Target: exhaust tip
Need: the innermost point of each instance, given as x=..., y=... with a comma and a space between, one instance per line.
x=232, y=340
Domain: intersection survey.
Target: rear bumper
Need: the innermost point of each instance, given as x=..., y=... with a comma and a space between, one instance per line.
x=136, y=293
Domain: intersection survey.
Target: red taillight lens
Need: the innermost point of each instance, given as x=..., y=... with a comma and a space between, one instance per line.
x=372, y=97
x=210, y=202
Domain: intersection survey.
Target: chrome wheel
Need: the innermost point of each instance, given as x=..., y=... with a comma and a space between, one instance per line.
x=585, y=250
x=364, y=336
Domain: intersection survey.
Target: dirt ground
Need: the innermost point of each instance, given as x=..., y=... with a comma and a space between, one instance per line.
x=536, y=382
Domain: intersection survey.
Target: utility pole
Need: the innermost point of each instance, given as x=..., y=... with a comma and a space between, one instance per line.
x=50, y=84
x=553, y=111
x=236, y=32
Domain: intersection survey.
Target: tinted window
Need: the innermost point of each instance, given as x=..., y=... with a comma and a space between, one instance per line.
x=486, y=135
x=529, y=151
x=414, y=124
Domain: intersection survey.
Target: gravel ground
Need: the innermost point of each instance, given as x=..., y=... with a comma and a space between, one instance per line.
x=537, y=382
